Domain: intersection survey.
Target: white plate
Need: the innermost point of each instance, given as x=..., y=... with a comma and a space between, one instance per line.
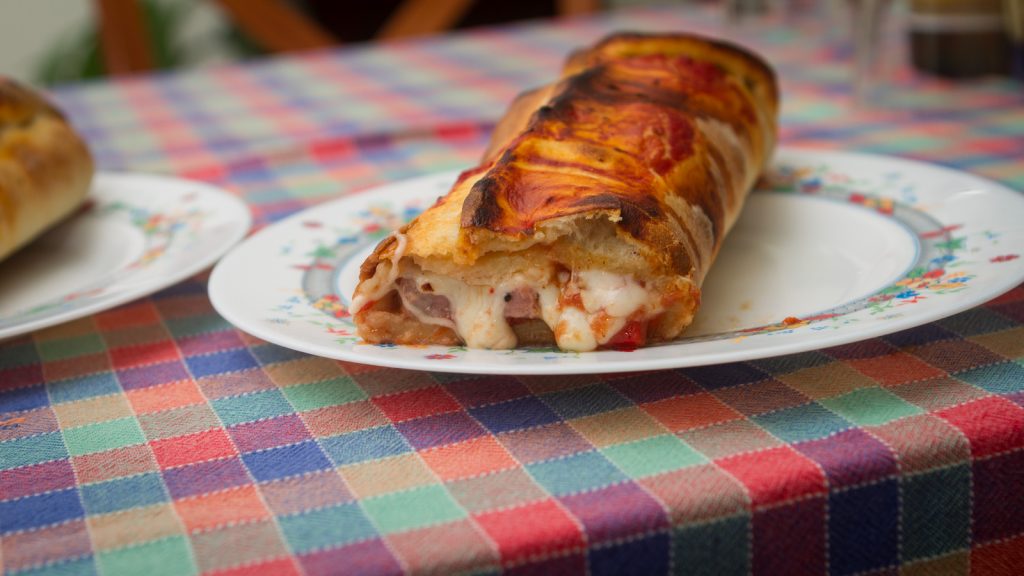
x=833, y=248
x=137, y=233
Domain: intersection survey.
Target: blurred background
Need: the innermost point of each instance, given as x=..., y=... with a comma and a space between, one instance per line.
x=49, y=42
x=52, y=42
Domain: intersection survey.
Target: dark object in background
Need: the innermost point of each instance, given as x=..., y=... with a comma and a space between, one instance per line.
x=959, y=38
x=1014, y=12
x=128, y=31
x=360, y=21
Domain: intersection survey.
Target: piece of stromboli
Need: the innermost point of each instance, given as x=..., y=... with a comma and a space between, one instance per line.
x=596, y=212
x=45, y=167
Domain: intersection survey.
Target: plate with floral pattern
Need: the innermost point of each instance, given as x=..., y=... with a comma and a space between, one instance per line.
x=831, y=248
x=135, y=234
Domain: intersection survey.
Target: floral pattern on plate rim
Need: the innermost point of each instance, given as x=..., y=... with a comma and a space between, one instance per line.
x=160, y=230
x=942, y=266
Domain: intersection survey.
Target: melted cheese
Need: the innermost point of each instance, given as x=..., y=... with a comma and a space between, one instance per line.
x=613, y=296
x=478, y=312
x=480, y=318
x=574, y=331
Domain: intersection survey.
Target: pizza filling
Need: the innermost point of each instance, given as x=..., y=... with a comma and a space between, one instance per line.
x=584, y=310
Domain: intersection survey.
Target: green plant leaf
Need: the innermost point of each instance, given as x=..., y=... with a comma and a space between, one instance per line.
x=77, y=56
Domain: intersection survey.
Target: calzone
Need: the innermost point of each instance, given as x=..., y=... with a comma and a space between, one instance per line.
x=596, y=212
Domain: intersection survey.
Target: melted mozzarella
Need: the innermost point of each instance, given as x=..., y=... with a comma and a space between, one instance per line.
x=550, y=311
x=617, y=295
x=478, y=312
x=614, y=296
x=570, y=325
x=574, y=332
x=480, y=318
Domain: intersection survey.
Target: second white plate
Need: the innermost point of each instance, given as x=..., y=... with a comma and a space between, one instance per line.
x=834, y=248
x=136, y=234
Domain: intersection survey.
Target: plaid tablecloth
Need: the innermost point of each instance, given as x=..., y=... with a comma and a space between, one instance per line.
x=156, y=439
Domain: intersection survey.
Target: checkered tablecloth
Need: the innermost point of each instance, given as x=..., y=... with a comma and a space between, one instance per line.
x=156, y=439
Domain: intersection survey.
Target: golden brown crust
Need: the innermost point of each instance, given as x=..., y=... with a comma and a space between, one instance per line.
x=625, y=136
x=45, y=167
x=636, y=162
x=515, y=119
x=369, y=266
x=757, y=74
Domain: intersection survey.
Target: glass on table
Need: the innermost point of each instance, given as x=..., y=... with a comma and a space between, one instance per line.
x=867, y=20
x=857, y=23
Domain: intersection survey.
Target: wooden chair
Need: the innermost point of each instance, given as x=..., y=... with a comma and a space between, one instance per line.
x=278, y=27
x=422, y=17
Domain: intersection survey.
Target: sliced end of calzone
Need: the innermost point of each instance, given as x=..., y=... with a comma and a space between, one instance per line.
x=596, y=212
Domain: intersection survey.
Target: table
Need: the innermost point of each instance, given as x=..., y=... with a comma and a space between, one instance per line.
x=156, y=439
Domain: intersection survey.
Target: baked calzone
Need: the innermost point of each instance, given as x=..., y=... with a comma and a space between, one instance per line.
x=597, y=209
